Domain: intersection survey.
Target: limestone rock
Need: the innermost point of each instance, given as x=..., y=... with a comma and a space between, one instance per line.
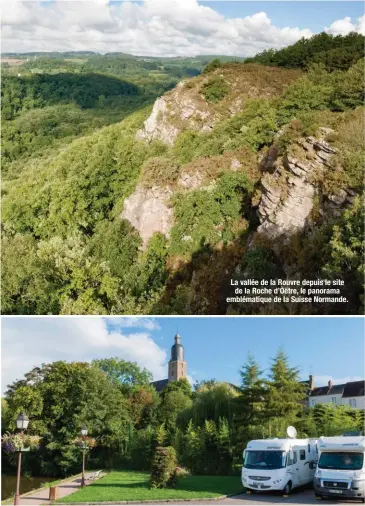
x=157, y=125
x=148, y=211
x=178, y=109
x=235, y=164
x=190, y=181
x=287, y=198
x=339, y=198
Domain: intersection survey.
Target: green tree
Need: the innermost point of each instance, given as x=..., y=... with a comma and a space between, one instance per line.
x=345, y=249
x=285, y=394
x=60, y=398
x=126, y=374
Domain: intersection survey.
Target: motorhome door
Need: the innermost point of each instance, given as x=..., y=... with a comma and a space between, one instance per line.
x=293, y=466
x=305, y=473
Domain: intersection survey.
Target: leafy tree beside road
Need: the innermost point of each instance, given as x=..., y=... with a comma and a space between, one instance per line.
x=207, y=427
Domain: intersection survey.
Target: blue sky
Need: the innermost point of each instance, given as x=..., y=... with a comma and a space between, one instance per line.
x=329, y=348
x=303, y=14
x=217, y=347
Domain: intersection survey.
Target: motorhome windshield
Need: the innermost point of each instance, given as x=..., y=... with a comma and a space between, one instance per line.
x=264, y=460
x=341, y=460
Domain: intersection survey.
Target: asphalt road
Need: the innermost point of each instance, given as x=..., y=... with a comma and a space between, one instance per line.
x=297, y=497
x=263, y=499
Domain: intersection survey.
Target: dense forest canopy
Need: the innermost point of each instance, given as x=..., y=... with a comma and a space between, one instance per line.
x=208, y=425
x=335, y=52
x=71, y=159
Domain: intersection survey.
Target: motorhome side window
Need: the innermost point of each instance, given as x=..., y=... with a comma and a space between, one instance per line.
x=302, y=454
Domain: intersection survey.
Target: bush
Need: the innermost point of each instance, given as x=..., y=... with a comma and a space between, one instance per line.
x=163, y=467
x=215, y=89
x=349, y=88
x=205, y=217
x=181, y=472
x=214, y=64
x=159, y=170
x=304, y=95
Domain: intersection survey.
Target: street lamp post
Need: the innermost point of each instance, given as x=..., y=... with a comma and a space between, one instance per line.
x=84, y=434
x=22, y=424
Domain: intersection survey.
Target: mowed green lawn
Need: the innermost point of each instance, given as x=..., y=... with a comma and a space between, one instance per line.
x=133, y=486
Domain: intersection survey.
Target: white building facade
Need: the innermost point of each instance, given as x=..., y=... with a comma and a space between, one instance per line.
x=348, y=394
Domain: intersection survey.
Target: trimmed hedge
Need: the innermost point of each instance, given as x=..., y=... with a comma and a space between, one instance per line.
x=163, y=467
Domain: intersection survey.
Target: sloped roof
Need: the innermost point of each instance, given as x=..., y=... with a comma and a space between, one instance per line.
x=159, y=385
x=354, y=389
x=328, y=390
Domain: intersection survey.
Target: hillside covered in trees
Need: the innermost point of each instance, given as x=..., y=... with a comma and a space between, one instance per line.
x=111, y=206
x=208, y=426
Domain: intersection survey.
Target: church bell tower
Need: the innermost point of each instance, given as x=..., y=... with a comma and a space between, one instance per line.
x=177, y=365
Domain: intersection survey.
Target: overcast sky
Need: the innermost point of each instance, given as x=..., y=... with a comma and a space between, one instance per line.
x=171, y=27
x=329, y=348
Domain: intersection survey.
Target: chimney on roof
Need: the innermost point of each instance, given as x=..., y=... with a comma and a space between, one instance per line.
x=312, y=385
x=330, y=384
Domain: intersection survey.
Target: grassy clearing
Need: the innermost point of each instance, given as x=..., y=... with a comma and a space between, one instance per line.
x=133, y=486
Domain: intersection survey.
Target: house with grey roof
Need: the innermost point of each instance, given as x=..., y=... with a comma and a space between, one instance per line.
x=346, y=394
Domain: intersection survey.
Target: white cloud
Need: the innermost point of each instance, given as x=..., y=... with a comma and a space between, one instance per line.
x=345, y=26
x=321, y=381
x=156, y=27
x=27, y=342
x=133, y=321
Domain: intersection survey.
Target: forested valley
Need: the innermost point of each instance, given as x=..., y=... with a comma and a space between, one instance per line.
x=208, y=425
x=82, y=143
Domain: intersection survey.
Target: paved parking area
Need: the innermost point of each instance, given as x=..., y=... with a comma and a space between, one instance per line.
x=297, y=497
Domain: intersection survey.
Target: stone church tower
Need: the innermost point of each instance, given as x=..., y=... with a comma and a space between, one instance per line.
x=177, y=365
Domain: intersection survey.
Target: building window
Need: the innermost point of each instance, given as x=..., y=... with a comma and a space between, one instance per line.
x=302, y=454
x=334, y=400
x=352, y=403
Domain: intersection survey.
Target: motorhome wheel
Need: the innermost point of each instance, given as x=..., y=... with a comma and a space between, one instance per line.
x=287, y=488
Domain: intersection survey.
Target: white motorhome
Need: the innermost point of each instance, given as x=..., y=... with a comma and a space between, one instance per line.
x=279, y=464
x=341, y=469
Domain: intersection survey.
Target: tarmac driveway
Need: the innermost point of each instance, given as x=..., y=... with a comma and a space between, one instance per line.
x=297, y=497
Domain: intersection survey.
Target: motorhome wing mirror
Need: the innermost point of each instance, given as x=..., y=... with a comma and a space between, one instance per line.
x=291, y=455
x=312, y=465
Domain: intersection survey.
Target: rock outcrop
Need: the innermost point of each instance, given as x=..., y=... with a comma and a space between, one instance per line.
x=180, y=108
x=157, y=125
x=148, y=210
x=186, y=108
x=287, y=198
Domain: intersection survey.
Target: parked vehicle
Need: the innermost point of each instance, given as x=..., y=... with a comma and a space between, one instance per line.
x=341, y=469
x=279, y=464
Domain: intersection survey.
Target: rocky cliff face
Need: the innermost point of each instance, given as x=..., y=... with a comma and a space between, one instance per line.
x=176, y=110
x=157, y=126
x=185, y=107
x=149, y=211
x=288, y=193
x=288, y=183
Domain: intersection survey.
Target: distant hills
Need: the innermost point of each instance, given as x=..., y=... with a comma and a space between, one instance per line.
x=86, y=54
